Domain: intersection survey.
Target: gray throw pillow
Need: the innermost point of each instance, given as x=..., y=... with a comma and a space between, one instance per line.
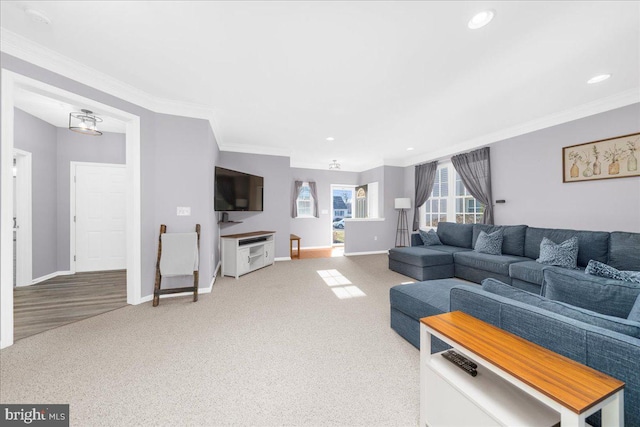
x=563, y=254
x=429, y=238
x=596, y=268
x=489, y=243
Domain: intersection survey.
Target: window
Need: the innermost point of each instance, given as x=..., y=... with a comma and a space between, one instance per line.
x=450, y=201
x=305, y=201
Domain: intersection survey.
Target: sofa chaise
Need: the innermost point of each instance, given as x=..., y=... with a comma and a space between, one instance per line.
x=517, y=265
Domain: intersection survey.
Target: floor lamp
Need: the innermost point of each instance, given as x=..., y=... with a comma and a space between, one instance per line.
x=402, y=230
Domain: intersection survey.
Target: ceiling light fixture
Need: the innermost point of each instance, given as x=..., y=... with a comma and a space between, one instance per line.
x=410, y=149
x=37, y=16
x=481, y=19
x=598, y=79
x=330, y=138
x=334, y=165
x=84, y=122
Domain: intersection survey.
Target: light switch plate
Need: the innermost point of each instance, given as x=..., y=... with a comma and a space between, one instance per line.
x=184, y=211
x=324, y=212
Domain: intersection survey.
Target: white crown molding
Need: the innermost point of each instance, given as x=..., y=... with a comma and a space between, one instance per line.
x=255, y=149
x=34, y=53
x=602, y=105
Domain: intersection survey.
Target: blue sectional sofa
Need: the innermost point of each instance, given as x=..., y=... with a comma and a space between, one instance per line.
x=517, y=265
x=590, y=319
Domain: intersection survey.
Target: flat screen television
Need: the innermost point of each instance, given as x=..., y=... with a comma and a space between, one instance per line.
x=237, y=191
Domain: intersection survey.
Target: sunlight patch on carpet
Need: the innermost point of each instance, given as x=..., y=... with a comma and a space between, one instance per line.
x=337, y=281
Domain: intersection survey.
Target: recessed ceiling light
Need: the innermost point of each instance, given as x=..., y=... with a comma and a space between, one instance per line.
x=598, y=79
x=410, y=149
x=330, y=138
x=37, y=16
x=481, y=19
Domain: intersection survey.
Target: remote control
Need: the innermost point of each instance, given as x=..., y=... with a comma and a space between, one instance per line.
x=461, y=362
x=457, y=357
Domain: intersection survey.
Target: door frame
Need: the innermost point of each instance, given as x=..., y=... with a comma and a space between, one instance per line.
x=10, y=82
x=24, y=233
x=72, y=207
x=335, y=187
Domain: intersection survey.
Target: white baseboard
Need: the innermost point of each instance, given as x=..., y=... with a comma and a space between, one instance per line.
x=284, y=258
x=366, y=253
x=206, y=290
x=48, y=276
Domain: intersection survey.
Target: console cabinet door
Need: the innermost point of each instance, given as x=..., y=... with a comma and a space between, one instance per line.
x=268, y=253
x=243, y=261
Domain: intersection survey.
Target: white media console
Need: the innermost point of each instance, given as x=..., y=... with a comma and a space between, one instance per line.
x=247, y=252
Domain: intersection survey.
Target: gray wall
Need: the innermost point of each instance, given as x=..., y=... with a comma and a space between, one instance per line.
x=317, y=232
x=53, y=149
x=39, y=138
x=375, y=236
x=277, y=193
x=72, y=146
x=526, y=171
x=185, y=155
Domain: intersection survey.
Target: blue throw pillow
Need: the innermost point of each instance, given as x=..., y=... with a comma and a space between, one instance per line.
x=563, y=254
x=489, y=243
x=429, y=238
x=596, y=268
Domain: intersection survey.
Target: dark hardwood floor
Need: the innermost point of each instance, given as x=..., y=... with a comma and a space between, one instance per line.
x=66, y=299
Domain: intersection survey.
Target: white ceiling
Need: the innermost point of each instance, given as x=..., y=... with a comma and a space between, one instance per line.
x=379, y=77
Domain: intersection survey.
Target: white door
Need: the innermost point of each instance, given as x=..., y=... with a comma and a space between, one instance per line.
x=100, y=217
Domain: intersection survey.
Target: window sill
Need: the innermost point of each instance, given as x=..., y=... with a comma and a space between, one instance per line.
x=362, y=219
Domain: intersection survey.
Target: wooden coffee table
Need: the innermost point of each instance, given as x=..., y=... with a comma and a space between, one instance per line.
x=517, y=382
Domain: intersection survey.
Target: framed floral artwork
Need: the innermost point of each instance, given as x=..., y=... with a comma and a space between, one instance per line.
x=608, y=158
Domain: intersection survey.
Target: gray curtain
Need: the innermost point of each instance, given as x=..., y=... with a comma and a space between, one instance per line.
x=425, y=177
x=294, y=200
x=474, y=169
x=314, y=194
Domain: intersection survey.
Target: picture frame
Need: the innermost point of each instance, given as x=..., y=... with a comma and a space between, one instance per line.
x=603, y=159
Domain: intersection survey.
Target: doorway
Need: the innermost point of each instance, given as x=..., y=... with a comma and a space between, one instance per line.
x=10, y=83
x=342, y=207
x=22, y=222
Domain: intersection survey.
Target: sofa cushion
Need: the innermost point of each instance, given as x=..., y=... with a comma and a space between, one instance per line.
x=596, y=268
x=420, y=256
x=429, y=238
x=634, y=314
x=624, y=326
x=591, y=244
x=563, y=254
x=489, y=243
x=624, y=251
x=513, y=237
x=493, y=263
x=528, y=271
x=605, y=296
x=453, y=234
x=422, y=299
x=449, y=249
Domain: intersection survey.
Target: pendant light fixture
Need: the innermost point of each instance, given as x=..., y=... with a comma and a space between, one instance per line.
x=334, y=165
x=84, y=122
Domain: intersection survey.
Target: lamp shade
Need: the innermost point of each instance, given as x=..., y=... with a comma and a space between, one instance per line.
x=403, y=203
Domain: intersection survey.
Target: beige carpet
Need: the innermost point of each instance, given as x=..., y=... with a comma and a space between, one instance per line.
x=276, y=347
